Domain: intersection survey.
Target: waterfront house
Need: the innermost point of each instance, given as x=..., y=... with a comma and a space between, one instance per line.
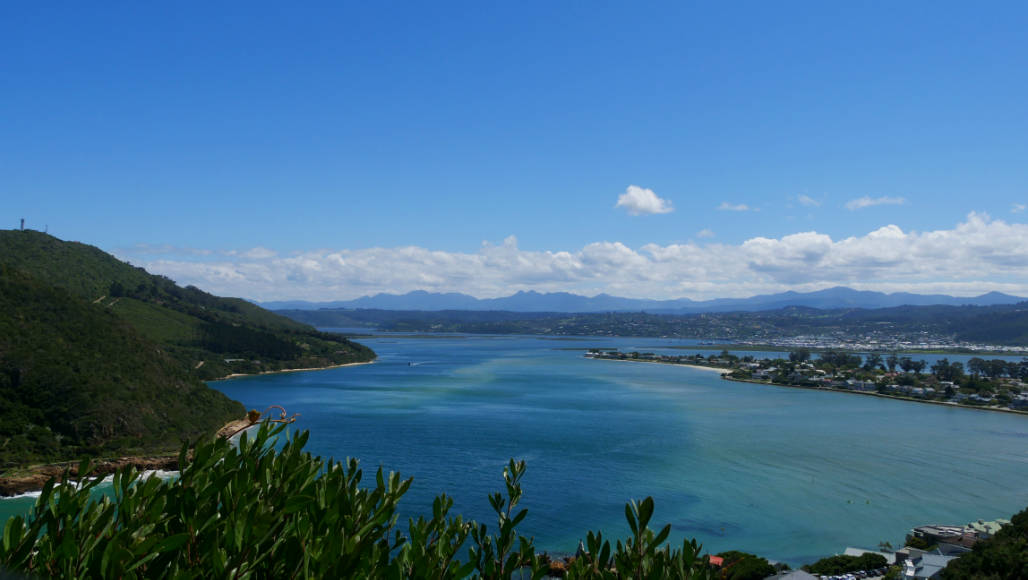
x=984, y=530
x=924, y=566
x=962, y=535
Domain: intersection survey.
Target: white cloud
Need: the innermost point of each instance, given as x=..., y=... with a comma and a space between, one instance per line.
x=975, y=256
x=866, y=201
x=808, y=201
x=258, y=253
x=638, y=201
x=725, y=206
x=705, y=233
x=1018, y=208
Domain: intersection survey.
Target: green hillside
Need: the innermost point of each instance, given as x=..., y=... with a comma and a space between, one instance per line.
x=76, y=380
x=98, y=357
x=212, y=336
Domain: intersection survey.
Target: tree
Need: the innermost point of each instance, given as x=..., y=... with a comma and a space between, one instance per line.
x=976, y=366
x=842, y=564
x=907, y=364
x=742, y=566
x=872, y=360
x=946, y=371
x=996, y=368
x=799, y=355
x=891, y=362
x=919, y=366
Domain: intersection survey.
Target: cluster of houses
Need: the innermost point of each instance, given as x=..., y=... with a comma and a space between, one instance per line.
x=928, y=388
x=1011, y=393
x=947, y=543
x=941, y=545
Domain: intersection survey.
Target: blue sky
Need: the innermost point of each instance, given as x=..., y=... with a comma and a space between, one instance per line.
x=332, y=150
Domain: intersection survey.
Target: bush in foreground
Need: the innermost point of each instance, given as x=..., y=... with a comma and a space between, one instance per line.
x=258, y=512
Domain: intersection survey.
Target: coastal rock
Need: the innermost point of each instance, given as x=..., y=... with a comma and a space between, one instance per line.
x=33, y=479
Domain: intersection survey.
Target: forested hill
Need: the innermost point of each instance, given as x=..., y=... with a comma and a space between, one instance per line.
x=211, y=336
x=100, y=358
x=76, y=379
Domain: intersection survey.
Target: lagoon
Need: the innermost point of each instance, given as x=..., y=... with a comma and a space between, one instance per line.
x=789, y=474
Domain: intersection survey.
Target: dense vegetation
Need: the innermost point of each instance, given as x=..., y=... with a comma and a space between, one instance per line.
x=77, y=379
x=212, y=336
x=999, y=325
x=738, y=565
x=98, y=357
x=841, y=564
x=258, y=512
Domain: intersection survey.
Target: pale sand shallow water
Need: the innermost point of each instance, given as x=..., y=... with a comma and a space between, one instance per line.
x=280, y=371
x=688, y=366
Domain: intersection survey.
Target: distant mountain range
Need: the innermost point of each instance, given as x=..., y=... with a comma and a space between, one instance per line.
x=838, y=297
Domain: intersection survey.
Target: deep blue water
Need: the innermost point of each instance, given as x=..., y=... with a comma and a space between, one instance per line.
x=789, y=474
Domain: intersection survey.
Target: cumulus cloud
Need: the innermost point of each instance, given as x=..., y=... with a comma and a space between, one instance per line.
x=725, y=206
x=808, y=201
x=639, y=200
x=1018, y=208
x=975, y=256
x=866, y=201
x=705, y=233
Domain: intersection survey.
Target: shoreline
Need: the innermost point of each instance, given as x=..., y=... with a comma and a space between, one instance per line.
x=880, y=396
x=33, y=478
x=275, y=372
x=725, y=372
x=786, y=349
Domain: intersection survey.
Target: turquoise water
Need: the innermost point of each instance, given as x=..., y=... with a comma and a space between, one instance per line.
x=789, y=474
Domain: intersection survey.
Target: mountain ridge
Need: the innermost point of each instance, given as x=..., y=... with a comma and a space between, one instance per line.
x=532, y=301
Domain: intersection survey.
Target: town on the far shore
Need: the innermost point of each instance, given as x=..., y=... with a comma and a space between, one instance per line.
x=993, y=384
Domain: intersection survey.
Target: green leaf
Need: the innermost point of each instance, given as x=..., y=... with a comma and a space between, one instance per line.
x=171, y=543
x=645, y=512
x=629, y=508
x=662, y=536
x=297, y=503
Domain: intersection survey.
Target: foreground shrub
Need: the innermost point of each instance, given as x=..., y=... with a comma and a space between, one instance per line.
x=254, y=511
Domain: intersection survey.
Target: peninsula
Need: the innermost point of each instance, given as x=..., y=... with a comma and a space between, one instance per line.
x=994, y=385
